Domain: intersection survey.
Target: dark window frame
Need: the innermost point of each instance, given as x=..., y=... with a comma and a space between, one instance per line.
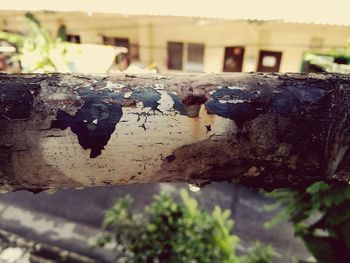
x=188, y=59
x=118, y=42
x=73, y=38
x=172, y=64
x=229, y=53
x=272, y=53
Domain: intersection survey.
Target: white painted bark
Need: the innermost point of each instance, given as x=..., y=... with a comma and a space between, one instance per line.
x=186, y=128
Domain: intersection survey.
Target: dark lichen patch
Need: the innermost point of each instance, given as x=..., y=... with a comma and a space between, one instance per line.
x=244, y=105
x=194, y=99
x=189, y=106
x=97, y=118
x=229, y=93
x=170, y=158
x=238, y=105
x=16, y=100
x=291, y=98
x=239, y=112
x=148, y=96
x=324, y=142
x=94, y=122
x=178, y=105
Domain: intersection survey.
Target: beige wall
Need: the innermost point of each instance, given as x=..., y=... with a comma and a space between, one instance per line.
x=153, y=33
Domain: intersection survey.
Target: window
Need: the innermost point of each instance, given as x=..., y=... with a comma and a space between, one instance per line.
x=191, y=53
x=233, y=60
x=269, y=61
x=195, y=57
x=116, y=41
x=73, y=39
x=134, y=52
x=175, y=53
x=123, y=59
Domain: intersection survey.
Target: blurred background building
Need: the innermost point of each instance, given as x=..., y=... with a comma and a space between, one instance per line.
x=191, y=44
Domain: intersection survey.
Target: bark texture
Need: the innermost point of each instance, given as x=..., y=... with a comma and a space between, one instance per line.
x=265, y=130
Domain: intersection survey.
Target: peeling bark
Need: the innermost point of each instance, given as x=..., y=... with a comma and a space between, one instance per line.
x=264, y=130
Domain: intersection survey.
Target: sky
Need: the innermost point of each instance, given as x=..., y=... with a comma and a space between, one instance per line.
x=299, y=11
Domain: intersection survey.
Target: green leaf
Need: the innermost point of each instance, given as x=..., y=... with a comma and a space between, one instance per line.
x=14, y=39
x=317, y=187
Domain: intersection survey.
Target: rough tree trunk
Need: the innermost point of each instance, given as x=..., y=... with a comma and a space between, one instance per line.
x=265, y=130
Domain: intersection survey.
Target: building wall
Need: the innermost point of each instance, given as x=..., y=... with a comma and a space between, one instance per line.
x=151, y=34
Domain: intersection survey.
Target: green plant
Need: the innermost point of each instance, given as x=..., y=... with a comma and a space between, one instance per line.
x=260, y=253
x=325, y=60
x=171, y=232
x=39, y=51
x=320, y=214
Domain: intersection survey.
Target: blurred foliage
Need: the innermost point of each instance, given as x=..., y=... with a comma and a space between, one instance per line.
x=39, y=51
x=173, y=232
x=325, y=64
x=260, y=253
x=320, y=214
x=325, y=61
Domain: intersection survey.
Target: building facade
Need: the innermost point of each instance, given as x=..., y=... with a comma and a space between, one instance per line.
x=192, y=44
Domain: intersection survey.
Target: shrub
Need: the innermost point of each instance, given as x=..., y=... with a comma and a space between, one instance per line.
x=172, y=232
x=320, y=214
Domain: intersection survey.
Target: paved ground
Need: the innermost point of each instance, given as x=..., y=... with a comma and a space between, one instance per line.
x=17, y=249
x=71, y=218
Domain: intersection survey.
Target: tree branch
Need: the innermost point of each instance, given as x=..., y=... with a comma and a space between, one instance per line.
x=265, y=130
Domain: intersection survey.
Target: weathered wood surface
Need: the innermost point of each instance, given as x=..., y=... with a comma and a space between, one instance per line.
x=265, y=130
